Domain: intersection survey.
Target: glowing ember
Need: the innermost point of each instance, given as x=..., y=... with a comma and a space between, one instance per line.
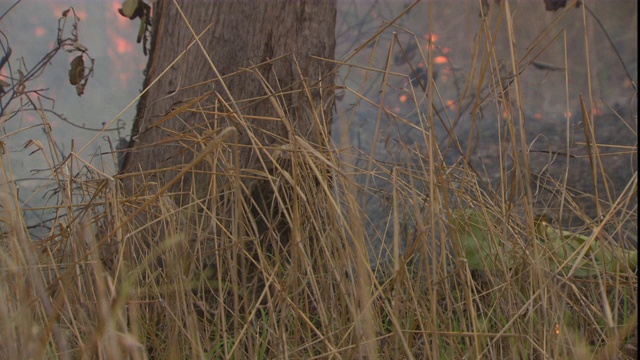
x=40, y=31
x=432, y=37
x=124, y=79
x=451, y=105
x=122, y=45
x=440, y=60
x=627, y=83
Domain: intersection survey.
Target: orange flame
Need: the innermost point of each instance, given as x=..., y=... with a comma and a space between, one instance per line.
x=451, y=105
x=40, y=31
x=440, y=60
x=122, y=44
x=432, y=37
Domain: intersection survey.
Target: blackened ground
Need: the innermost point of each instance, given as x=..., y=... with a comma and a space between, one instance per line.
x=549, y=155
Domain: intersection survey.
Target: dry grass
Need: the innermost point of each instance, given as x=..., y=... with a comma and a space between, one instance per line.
x=285, y=261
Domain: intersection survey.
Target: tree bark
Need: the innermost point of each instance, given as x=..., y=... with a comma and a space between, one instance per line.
x=288, y=38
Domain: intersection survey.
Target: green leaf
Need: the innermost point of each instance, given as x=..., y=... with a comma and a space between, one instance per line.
x=483, y=250
x=560, y=245
x=474, y=236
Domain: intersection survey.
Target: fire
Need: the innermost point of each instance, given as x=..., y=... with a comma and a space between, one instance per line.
x=451, y=105
x=122, y=45
x=627, y=83
x=440, y=60
x=124, y=79
x=40, y=31
x=431, y=37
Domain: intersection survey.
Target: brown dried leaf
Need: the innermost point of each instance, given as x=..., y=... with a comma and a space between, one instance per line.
x=76, y=73
x=20, y=86
x=80, y=89
x=3, y=84
x=78, y=46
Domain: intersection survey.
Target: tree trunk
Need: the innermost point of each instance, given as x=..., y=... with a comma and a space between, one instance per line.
x=285, y=39
x=249, y=194
x=242, y=204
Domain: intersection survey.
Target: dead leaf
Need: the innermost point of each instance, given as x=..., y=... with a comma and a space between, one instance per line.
x=3, y=84
x=130, y=9
x=80, y=89
x=76, y=73
x=79, y=46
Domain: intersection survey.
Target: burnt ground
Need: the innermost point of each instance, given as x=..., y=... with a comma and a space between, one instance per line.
x=550, y=156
